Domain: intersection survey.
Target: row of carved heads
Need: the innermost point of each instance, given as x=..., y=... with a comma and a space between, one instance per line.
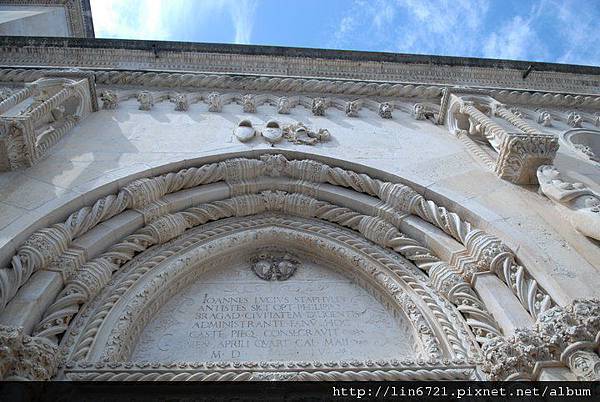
x=214, y=100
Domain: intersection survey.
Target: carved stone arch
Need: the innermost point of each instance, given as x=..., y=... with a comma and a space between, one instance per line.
x=106, y=330
x=158, y=205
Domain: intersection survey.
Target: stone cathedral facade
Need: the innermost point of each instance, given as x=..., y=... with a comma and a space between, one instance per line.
x=176, y=211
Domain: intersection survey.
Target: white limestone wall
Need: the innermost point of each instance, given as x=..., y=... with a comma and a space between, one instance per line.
x=33, y=21
x=109, y=146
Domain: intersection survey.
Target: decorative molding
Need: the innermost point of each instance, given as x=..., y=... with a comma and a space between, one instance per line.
x=24, y=357
x=388, y=370
x=568, y=333
x=141, y=192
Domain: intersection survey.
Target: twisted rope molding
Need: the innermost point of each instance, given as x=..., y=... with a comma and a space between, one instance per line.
x=480, y=321
x=91, y=329
x=47, y=245
x=301, y=85
x=348, y=375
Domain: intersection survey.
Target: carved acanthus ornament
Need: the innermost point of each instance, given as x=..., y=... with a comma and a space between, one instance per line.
x=577, y=202
x=569, y=334
x=514, y=357
x=573, y=332
x=300, y=134
x=26, y=358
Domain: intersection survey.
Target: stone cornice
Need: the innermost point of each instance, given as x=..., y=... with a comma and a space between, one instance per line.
x=295, y=63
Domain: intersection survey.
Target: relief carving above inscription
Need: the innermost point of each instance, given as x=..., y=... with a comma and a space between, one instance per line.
x=233, y=315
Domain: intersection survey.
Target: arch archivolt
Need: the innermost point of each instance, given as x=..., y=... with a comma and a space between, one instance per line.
x=160, y=216
x=392, y=279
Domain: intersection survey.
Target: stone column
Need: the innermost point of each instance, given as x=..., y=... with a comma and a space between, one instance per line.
x=54, y=101
x=493, y=132
x=515, y=120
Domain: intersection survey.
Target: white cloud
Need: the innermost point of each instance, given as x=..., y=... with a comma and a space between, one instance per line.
x=242, y=14
x=167, y=19
x=512, y=41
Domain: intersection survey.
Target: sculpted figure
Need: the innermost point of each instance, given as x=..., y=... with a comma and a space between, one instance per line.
x=419, y=112
x=181, y=102
x=283, y=105
x=214, y=102
x=385, y=110
x=574, y=119
x=544, y=118
x=248, y=104
x=579, y=204
x=109, y=100
x=146, y=100
x=352, y=109
x=318, y=107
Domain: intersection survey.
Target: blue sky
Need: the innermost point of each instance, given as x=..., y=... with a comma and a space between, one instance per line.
x=562, y=31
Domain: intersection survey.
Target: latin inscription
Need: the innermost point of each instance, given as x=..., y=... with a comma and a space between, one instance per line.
x=303, y=319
